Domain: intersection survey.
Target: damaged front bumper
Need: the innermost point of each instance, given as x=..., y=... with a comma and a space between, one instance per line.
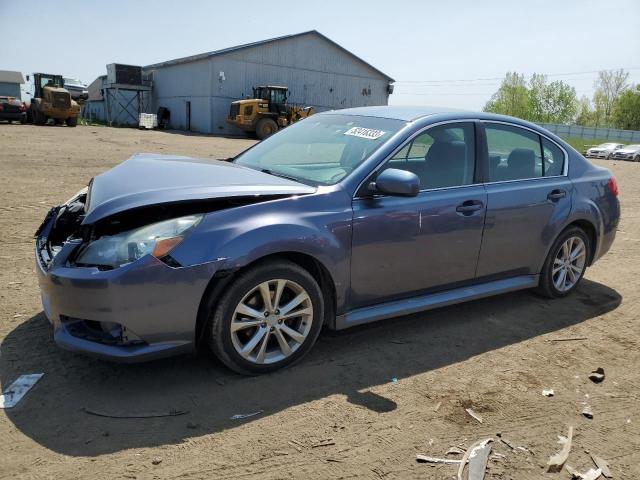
x=140, y=311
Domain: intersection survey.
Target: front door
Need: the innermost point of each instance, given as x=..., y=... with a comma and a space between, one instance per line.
x=405, y=246
x=529, y=198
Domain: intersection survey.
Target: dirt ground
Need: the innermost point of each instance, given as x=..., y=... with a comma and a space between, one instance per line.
x=361, y=405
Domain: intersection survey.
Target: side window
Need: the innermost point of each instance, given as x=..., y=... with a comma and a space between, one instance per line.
x=553, y=159
x=441, y=157
x=514, y=153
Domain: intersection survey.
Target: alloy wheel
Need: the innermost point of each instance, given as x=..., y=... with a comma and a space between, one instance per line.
x=569, y=264
x=271, y=321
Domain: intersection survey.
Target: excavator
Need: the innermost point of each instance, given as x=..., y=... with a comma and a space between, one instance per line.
x=52, y=100
x=266, y=112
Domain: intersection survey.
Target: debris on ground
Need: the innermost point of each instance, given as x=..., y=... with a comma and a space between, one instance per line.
x=568, y=339
x=587, y=411
x=18, y=389
x=556, y=461
x=324, y=443
x=437, y=407
x=597, y=375
x=454, y=451
x=591, y=474
x=548, y=393
x=505, y=440
x=474, y=414
x=602, y=464
x=477, y=455
x=240, y=416
x=99, y=413
x=428, y=459
x=297, y=445
x=156, y=461
x=394, y=380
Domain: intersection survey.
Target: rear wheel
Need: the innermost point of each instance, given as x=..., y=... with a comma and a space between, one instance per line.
x=72, y=121
x=267, y=319
x=265, y=128
x=566, y=263
x=636, y=158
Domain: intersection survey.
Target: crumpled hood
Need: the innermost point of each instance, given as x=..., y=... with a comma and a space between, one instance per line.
x=150, y=179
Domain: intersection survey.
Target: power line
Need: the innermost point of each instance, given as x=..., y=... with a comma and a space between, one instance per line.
x=566, y=74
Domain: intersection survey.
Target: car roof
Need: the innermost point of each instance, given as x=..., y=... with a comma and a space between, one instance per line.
x=412, y=113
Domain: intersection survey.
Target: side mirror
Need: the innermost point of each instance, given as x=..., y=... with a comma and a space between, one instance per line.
x=400, y=183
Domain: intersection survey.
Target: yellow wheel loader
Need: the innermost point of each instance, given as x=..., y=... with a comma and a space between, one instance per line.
x=52, y=100
x=267, y=112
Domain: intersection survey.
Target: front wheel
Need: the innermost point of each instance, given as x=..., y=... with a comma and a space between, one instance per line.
x=636, y=158
x=72, y=121
x=265, y=128
x=566, y=263
x=267, y=319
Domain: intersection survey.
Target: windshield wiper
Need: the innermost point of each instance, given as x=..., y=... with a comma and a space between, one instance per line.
x=281, y=175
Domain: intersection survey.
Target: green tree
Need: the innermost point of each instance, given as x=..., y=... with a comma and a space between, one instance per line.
x=609, y=86
x=554, y=102
x=626, y=110
x=586, y=114
x=512, y=98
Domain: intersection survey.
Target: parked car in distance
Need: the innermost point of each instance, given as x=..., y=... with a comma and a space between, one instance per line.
x=628, y=152
x=77, y=89
x=12, y=110
x=604, y=150
x=344, y=218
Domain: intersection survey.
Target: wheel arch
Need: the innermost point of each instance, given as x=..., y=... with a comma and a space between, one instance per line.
x=222, y=279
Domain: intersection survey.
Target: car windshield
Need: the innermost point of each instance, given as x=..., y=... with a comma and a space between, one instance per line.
x=608, y=145
x=632, y=147
x=322, y=149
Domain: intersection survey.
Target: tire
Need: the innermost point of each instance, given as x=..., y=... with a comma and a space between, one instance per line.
x=265, y=128
x=39, y=118
x=636, y=158
x=263, y=335
x=72, y=121
x=553, y=284
x=58, y=121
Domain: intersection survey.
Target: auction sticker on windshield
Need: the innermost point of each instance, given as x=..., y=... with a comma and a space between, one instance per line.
x=369, y=133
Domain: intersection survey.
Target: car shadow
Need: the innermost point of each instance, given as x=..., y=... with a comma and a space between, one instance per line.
x=54, y=413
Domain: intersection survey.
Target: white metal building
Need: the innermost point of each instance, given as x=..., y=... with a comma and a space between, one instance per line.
x=199, y=89
x=10, y=83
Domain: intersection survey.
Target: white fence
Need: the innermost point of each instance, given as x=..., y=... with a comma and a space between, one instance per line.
x=628, y=136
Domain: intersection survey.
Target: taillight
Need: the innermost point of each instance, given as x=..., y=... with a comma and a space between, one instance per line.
x=613, y=186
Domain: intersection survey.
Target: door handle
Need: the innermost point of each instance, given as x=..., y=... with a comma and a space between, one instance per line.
x=556, y=194
x=470, y=206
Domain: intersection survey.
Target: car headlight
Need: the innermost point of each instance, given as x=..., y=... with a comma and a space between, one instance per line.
x=157, y=239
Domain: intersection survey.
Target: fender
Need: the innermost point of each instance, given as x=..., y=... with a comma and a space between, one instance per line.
x=239, y=236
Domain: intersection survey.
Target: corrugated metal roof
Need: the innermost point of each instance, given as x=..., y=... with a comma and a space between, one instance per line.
x=202, y=56
x=7, y=76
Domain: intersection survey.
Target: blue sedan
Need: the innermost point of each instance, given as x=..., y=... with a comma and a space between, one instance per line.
x=344, y=218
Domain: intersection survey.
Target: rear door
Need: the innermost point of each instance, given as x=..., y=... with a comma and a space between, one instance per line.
x=404, y=246
x=528, y=199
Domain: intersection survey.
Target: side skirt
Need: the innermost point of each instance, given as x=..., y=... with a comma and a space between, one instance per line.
x=421, y=303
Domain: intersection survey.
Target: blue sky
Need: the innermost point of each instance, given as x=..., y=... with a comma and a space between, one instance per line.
x=424, y=45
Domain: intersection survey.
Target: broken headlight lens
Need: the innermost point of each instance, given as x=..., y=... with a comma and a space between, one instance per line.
x=157, y=239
